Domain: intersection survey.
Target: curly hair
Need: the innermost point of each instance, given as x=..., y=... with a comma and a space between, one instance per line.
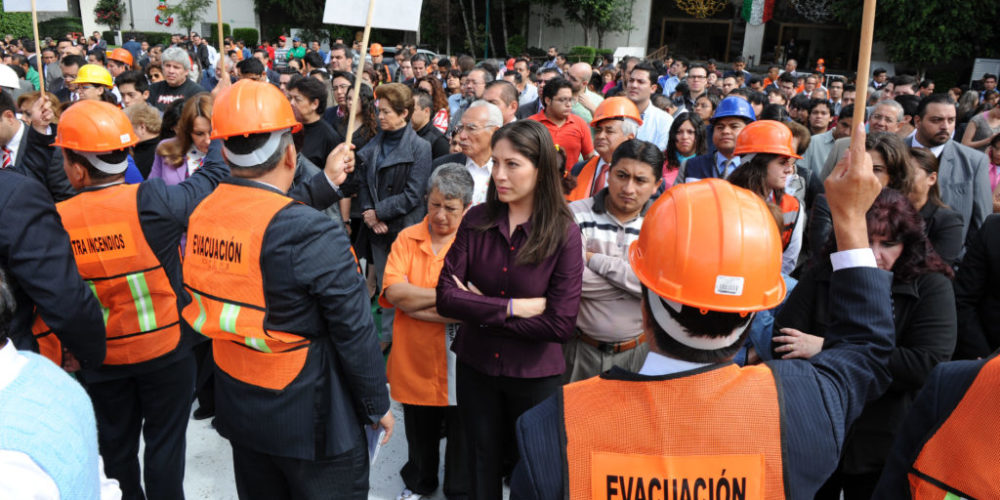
x=437, y=92
x=893, y=216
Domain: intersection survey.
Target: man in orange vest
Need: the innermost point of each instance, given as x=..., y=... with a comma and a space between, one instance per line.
x=275, y=286
x=616, y=120
x=946, y=448
x=691, y=424
x=124, y=240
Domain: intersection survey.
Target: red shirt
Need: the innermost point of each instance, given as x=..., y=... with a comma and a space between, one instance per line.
x=573, y=136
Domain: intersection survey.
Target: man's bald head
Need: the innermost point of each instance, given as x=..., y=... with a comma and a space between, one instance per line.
x=579, y=76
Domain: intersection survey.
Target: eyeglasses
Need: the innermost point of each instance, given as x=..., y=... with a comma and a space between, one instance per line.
x=470, y=129
x=697, y=77
x=883, y=118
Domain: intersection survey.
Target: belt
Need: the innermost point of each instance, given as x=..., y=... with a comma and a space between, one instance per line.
x=611, y=347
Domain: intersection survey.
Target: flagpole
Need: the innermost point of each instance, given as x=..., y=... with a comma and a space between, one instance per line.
x=38, y=49
x=864, y=63
x=357, y=74
x=222, y=45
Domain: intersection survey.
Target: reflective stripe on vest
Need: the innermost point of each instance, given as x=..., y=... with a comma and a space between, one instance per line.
x=715, y=434
x=960, y=458
x=584, y=181
x=137, y=300
x=222, y=273
x=790, y=216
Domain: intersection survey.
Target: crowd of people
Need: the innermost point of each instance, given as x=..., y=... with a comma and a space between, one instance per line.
x=529, y=242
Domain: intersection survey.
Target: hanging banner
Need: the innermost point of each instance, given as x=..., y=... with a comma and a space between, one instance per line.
x=389, y=14
x=756, y=12
x=40, y=5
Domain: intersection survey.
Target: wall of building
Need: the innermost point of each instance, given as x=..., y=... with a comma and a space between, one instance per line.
x=238, y=13
x=570, y=34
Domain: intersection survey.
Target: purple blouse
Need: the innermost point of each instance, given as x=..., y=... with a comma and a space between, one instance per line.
x=488, y=340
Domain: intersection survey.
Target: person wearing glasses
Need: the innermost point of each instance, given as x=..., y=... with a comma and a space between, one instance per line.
x=568, y=131
x=473, y=134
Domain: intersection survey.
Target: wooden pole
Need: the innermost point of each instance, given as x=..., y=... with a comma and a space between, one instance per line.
x=222, y=45
x=357, y=74
x=38, y=49
x=864, y=63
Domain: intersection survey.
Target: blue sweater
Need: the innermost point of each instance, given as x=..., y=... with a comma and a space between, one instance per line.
x=46, y=415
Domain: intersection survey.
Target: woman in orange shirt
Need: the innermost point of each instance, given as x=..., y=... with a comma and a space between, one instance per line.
x=421, y=368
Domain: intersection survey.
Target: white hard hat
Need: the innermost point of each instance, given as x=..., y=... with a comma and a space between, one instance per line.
x=8, y=78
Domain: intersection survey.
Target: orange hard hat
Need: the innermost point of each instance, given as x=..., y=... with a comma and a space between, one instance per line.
x=122, y=56
x=765, y=136
x=616, y=107
x=820, y=61
x=713, y=246
x=251, y=107
x=376, y=49
x=95, y=127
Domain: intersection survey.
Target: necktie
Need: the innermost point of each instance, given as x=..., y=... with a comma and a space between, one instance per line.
x=7, y=159
x=602, y=179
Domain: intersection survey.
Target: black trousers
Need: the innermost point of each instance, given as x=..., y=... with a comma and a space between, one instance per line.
x=423, y=440
x=268, y=477
x=205, y=382
x=854, y=486
x=157, y=404
x=489, y=408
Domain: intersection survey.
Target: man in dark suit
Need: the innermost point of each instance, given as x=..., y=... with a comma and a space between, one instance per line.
x=25, y=150
x=733, y=114
x=579, y=439
x=977, y=293
x=475, y=132
x=963, y=175
x=69, y=65
x=35, y=250
x=525, y=111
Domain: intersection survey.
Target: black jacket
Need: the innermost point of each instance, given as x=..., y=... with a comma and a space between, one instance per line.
x=37, y=160
x=525, y=111
x=943, y=227
x=459, y=158
x=437, y=140
x=977, y=293
x=926, y=328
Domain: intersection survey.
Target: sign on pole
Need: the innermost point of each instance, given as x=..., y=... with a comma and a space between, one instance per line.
x=40, y=5
x=389, y=14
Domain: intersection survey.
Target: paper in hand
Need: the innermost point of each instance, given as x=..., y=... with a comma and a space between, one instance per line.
x=375, y=437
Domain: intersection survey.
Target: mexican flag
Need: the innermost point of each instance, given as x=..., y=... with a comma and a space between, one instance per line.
x=757, y=11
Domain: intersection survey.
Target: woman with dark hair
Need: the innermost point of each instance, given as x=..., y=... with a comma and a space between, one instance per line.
x=687, y=140
x=178, y=157
x=393, y=171
x=513, y=278
x=891, y=164
x=926, y=331
x=942, y=225
x=433, y=87
x=705, y=106
x=454, y=82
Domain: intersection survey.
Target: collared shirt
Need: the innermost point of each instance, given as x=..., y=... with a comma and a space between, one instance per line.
x=610, y=302
x=573, y=136
x=655, y=126
x=725, y=166
x=528, y=95
x=670, y=85
x=936, y=150
x=15, y=142
x=580, y=110
x=489, y=341
x=480, y=178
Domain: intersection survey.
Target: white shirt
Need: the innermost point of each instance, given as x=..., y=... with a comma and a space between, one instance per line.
x=936, y=150
x=20, y=476
x=480, y=179
x=658, y=364
x=15, y=142
x=655, y=126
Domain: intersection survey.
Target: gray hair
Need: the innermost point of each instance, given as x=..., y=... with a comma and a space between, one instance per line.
x=453, y=181
x=630, y=126
x=494, y=115
x=897, y=107
x=176, y=55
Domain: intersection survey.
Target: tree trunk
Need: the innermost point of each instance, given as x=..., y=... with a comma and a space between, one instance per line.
x=465, y=21
x=586, y=35
x=503, y=21
x=475, y=28
x=600, y=38
x=447, y=27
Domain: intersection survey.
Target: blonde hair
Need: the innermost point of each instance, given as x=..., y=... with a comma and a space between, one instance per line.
x=29, y=98
x=145, y=115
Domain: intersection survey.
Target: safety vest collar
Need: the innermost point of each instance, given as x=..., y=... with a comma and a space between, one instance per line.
x=617, y=373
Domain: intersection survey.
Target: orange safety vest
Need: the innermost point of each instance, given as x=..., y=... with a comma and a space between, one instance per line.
x=715, y=434
x=959, y=460
x=111, y=252
x=584, y=181
x=790, y=216
x=222, y=272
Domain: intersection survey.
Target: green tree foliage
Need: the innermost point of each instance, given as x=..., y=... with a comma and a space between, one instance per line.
x=188, y=12
x=923, y=33
x=15, y=23
x=604, y=16
x=248, y=35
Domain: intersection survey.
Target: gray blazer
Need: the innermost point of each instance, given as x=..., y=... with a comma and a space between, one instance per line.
x=401, y=205
x=964, y=180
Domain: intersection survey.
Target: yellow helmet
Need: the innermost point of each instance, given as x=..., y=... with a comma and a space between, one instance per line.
x=93, y=73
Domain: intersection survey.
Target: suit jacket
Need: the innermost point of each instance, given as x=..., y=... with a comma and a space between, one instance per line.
x=63, y=94
x=817, y=408
x=437, y=140
x=964, y=180
x=699, y=167
x=41, y=272
x=524, y=112
x=977, y=293
x=459, y=158
x=400, y=202
x=43, y=163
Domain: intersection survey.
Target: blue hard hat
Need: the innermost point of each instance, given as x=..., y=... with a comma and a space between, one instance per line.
x=734, y=106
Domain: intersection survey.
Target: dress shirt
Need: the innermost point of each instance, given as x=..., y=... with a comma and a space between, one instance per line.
x=15, y=142
x=936, y=150
x=529, y=94
x=670, y=85
x=489, y=340
x=722, y=168
x=480, y=179
x=658, y=364
x=655, y=126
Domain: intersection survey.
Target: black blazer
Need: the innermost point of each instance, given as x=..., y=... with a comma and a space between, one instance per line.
x=525, y=111
x=459, y=158
x=977, y=293
x=37, y=160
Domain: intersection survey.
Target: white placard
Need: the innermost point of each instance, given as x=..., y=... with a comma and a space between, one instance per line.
x=389, y=14
x=40, y=5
